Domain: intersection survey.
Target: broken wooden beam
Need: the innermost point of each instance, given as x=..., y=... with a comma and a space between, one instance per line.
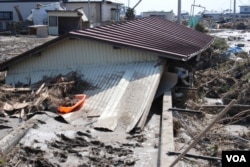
x=40, y=89
x=221, y=106
x=185, y=110
x=16, y=89
x=209, y=158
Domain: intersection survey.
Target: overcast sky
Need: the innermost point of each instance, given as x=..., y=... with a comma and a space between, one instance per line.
x=167, y=5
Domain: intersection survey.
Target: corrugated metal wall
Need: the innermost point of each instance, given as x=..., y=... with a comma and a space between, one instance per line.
x=72, y=55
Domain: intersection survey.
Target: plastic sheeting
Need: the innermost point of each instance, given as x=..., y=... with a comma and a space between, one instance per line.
x=234, y=49
x=39, y=16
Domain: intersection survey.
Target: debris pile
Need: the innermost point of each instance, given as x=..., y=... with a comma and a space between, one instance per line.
x=216, y=81
x=47, y=94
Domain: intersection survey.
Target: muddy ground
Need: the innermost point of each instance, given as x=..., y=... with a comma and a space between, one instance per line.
x=216, y=80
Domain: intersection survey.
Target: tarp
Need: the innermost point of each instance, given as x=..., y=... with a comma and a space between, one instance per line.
x=234, y=49
x=39, y=16
x=194, y=20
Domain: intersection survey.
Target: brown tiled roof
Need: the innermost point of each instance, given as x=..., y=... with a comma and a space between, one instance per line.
x=153, y=34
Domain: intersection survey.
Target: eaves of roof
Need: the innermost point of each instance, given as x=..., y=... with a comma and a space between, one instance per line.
x=153, y=34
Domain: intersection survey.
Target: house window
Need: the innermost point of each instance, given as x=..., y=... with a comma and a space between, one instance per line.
x=246, y=9
x=6, y=15
x=52, y=21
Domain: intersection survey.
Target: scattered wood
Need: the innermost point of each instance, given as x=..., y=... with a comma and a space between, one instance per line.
x=18, y=105
x=40, y=89
x=16, y=89
x=206, y=83
x=185, y=110
x=46, y=94
x=229, y=136
x=222, y=106
x=223, y=112
x=237, y=117
x=209, y=158
x=7, y=107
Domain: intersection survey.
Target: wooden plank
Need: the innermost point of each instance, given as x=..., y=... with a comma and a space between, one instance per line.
x=167, y=133
x=16, y=89
x=209, y=158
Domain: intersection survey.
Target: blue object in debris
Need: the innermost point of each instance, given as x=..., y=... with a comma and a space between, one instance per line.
x=235, y=49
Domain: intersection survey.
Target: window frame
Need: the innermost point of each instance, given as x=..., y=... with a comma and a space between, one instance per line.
x=6, y=15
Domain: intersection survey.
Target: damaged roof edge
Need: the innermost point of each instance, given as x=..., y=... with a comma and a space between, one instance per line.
x=199, y=52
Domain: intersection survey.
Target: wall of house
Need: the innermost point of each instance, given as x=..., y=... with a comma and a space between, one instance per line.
x=107, y=14
x=95, y=11
x=72, y=55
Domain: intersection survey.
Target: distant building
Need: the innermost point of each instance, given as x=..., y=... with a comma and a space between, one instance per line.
x=100, y=11
x=213, y=14
x=244, y=9
x=184, y=15
x=227, y=14
x=166, y=15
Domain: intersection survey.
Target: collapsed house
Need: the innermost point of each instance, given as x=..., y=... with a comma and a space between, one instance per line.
x=124, y=62
x=118, y=59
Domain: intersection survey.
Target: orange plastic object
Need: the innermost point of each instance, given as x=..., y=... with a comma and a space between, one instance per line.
x=79, y=104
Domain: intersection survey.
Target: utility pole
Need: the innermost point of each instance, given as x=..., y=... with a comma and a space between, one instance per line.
x=192, y=9
x=179, y=12
x=89, y=11
x=234, y=17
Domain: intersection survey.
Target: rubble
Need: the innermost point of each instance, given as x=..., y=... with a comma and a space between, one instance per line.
x=46, y=95
x=217, y=80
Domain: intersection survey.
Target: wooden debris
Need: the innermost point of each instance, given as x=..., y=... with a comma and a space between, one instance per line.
x=16, y=89
x=223, y=112
x=18, y=105
x=185, y=110
x=48, y=94
x=195, y=156
x=8, y=107
x=40, y=89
